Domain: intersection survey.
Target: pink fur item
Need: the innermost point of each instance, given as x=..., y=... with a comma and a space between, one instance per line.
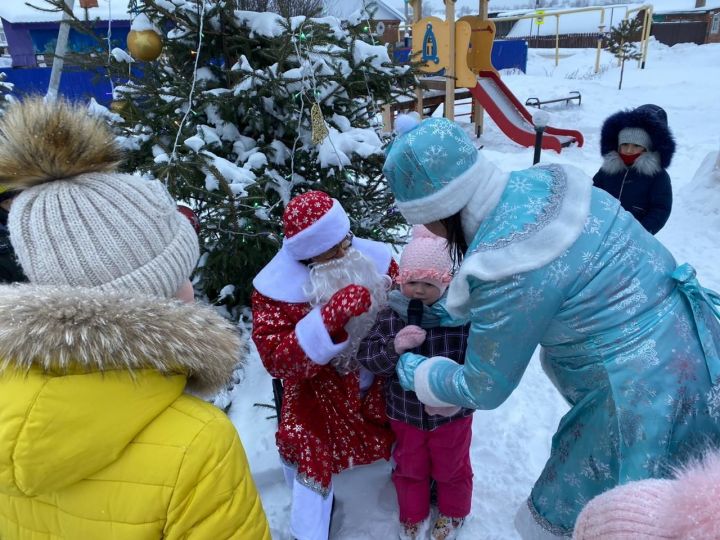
x=686, y=507
x=408, y=338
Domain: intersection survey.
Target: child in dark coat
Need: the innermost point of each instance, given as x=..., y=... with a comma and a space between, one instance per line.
x=637, y=147
x=431, y=442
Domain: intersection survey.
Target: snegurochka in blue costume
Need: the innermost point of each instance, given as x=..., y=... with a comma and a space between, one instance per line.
x=628, y=336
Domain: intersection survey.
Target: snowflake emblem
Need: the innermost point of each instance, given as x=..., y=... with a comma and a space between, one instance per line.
x=442, y=129
x=558, y=271
x=656, y=262
x=519, y=185
x=592, y=225
x=535, y=205
x=434, y=156
x=713, y=402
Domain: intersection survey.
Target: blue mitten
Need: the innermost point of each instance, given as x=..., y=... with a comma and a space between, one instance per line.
x=406, y=367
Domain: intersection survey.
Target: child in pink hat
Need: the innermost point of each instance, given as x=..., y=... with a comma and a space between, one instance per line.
x=432, y=443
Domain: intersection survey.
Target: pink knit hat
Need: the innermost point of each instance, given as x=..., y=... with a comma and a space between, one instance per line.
x=426, y=258
x=686, y=507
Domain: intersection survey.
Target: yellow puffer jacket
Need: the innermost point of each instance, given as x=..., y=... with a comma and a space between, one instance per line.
x=97, y=438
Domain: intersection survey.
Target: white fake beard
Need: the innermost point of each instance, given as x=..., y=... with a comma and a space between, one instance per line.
x=329, y=277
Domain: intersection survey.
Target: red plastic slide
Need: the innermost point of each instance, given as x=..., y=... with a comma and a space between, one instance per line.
x=514, y=119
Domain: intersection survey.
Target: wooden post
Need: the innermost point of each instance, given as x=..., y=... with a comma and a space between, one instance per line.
x=478, y=111
x=417, y=15
x=557, y=40
x=387, y=116
x=601, y=27
x=450, y=71
x=648, y=28
x=60, y=49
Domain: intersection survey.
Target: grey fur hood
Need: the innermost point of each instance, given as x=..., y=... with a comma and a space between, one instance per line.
x=59, y=328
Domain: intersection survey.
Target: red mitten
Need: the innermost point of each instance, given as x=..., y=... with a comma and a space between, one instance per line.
x=442, y=411
x=408, y=338
x=345, y=304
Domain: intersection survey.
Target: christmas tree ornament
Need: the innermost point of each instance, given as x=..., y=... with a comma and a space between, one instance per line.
x=145, y=45
x=317, y=120
x=119, y=106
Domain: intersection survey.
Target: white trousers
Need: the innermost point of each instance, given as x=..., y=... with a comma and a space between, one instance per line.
x=309, y=511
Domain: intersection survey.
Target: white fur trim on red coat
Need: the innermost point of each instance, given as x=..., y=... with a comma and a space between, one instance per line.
x=283, y=277
x=314, y=339
x=422, y=381
x=326, y=232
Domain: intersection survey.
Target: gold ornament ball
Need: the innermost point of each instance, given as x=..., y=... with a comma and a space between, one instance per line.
x=145, y=45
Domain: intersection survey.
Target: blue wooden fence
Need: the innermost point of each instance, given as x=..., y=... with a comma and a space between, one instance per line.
x=74, y=85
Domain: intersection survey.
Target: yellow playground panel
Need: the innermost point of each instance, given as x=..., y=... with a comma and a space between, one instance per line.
x=433, y=49
x=481, y=43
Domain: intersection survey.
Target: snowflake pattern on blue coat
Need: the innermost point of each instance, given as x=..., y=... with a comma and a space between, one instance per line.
x=620, y=341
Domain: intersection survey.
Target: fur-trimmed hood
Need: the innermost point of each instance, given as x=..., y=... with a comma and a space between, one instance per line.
x=648, y=163
x=650, y=118
x=66, y=330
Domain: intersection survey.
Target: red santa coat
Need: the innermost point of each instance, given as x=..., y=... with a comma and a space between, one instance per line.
x=325, y=426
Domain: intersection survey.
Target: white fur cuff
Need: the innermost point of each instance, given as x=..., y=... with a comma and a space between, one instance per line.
x=422, y=381
x=314, y=339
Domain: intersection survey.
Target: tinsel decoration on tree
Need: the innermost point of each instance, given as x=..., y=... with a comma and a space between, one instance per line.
x=244, y=110
x=6, y=89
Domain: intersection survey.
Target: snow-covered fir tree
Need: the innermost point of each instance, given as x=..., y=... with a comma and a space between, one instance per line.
x=244, y=110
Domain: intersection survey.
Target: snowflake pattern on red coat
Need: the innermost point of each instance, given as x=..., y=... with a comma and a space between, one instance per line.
x=325, y=427
x=304, y=210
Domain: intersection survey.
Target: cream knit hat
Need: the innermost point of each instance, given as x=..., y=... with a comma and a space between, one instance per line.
x=80, y=223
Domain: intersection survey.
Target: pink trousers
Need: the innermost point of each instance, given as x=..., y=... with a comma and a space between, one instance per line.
x=442, y=454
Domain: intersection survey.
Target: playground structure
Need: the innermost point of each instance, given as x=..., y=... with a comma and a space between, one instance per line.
x=457, y=53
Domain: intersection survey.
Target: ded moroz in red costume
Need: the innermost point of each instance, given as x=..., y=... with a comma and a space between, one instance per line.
x=326, y=426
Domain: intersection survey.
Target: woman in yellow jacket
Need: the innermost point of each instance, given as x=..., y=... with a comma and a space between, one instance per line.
x=98, y=437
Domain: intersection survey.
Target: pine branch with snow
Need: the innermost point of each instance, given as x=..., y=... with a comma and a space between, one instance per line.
x=234, y=137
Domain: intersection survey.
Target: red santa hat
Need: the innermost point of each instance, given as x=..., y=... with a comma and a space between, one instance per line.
x=313, y=223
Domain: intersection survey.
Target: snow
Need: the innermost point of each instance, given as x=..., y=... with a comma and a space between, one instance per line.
x=510, y=444
x=584, y=22
x=470, y=7
x=142, y=23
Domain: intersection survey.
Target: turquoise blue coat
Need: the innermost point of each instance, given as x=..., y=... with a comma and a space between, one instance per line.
x=629, y=339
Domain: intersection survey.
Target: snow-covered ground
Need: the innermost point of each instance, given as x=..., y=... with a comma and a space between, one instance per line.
x=511, y=443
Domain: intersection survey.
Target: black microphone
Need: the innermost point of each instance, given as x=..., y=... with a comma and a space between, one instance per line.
x=415, y=312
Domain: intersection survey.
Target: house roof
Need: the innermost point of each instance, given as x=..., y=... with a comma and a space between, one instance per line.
x=17, y=11
x=685, y=6
x=343, y=8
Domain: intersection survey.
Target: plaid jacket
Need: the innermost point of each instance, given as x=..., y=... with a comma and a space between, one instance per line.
x=377, y=354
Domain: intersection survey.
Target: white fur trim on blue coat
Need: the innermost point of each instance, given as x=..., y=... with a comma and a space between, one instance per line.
x=447, y=201
x=422, y=381
x=532, y=252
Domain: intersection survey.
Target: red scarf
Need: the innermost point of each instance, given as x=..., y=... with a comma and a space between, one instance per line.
x=629, y=159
